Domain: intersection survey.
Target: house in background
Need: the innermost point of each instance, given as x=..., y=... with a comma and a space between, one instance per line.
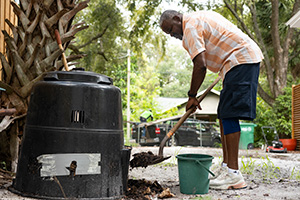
x=294, y=22
x=209, y=105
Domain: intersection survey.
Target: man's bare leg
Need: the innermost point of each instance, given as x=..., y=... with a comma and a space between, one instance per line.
x=223, y=140
x=232, y=146
x=232, y=179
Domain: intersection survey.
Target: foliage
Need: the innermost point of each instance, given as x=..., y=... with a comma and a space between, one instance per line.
x=295, y=174
x=174, y=72
x=105, y=41
x=144, y=89
x=266, y=167
x=247, y=165
x=169, y=67
x=278, y=116
x=143, y=92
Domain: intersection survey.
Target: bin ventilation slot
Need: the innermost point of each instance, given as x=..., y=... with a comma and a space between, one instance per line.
x=77, y=116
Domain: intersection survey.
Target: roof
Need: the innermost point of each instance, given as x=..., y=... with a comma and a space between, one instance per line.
x=210, y=104
x=159, y=121
x=167, y=103
x=294, y=22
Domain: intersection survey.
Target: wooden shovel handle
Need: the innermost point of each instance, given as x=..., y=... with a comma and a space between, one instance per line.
x=184, y=117
x=57, y=36
x=58, y=40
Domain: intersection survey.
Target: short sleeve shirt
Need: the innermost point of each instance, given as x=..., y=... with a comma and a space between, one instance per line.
x=224, y=44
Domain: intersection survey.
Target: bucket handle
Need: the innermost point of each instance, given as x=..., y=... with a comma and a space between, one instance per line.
x=205, y=168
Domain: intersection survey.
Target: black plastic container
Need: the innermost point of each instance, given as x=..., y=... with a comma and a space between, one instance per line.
x=73, y=117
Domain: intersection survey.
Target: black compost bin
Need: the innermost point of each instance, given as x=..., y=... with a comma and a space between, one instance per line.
x=73, y=117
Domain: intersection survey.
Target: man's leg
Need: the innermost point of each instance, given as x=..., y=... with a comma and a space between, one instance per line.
x=232, y=146
x=224, y=144
x=218, y=170
x=232, y=179
x=231, y=134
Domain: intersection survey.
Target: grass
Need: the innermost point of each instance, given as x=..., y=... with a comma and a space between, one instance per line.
x=295, y=175
x=269, y=170
x=266, y=169
x=173, y=161
x=248, y=166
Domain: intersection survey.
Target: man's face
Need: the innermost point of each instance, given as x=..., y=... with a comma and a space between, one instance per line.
x=173, y=28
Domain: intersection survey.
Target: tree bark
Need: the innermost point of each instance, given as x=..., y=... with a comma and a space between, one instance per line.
x=31, y=53
x=277, y=67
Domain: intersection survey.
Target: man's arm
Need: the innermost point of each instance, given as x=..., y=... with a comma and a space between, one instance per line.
x=198, y=75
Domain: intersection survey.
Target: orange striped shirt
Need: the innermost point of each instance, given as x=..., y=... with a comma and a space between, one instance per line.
x=224, y=44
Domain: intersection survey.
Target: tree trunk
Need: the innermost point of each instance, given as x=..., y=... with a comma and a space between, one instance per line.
x=277, y=67
x=30, y=54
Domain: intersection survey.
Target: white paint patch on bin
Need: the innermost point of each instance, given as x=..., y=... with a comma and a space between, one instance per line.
x=56, y=164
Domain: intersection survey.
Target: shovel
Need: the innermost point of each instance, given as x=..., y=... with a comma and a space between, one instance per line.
x=145, y=159
x=184, y=117
x=58, y=40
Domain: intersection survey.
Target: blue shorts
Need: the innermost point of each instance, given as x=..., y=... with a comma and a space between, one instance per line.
x=238, y=96
x=231, y=125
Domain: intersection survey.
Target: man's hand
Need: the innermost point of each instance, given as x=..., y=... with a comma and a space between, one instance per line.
x=193, y=103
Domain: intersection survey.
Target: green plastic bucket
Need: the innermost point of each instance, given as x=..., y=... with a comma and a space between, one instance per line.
x=193, y=172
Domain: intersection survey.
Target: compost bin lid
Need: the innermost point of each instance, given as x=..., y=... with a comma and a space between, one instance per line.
x=78, y=75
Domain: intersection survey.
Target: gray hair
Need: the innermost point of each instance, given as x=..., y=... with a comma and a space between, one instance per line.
x=168, y=14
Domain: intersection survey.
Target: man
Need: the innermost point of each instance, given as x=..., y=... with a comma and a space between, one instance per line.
x=144, y=118
x=216, y=44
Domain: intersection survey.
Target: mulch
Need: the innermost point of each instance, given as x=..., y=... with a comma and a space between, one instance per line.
x=146, y=190
x=6, y=177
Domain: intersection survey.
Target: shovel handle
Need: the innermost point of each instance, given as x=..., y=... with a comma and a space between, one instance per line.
x=58, y=40
x=57, y=37
x=184, y=117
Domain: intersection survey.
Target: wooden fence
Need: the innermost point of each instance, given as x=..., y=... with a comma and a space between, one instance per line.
x=6, y=12
x=296, y=114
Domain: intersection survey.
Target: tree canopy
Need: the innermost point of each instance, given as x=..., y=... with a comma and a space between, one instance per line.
x=116, y=25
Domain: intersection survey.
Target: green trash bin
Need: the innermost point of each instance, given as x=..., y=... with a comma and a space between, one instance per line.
x=247, y=135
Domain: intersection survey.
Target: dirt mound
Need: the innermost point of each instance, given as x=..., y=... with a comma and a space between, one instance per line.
x=145, y=190
x=144, y=159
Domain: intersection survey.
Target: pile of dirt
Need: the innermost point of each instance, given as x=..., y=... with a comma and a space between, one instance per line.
x=145, y=190
x=144, y=159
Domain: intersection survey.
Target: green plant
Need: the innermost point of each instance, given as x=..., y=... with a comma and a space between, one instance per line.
x=177, y=151
x=173, y=161
x=278, y=116
x=295, y=174
x=248, y=166
x=3, y=165
x=269, y=170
